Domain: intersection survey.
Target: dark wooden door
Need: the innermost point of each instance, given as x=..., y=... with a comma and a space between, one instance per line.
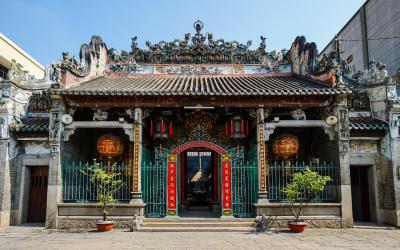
x=360, y=193
x=37, y=194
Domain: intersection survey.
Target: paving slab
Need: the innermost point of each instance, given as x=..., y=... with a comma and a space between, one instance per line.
x=27, y=237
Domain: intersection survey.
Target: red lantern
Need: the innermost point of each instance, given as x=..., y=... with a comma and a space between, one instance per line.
x=110, y=145
x=162, y=127
x=151, y=129
x=286, y=146
x=247, y=128
x=226, y=129
x=242, y=127
x=170, y=129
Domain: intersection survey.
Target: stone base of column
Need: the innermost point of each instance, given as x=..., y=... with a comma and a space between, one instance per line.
x=262, y=203
x=262, y=198
x=136, y=198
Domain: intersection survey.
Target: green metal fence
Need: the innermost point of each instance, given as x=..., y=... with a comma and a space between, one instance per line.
x=154, y=185
x=244, y=189
x=78, y=188
x=280, y=173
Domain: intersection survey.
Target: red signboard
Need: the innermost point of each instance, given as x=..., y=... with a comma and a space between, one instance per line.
x=172, y=185
x=226, y=185
x=209, y=145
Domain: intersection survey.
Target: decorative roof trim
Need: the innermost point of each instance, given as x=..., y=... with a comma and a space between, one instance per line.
x=201, y=86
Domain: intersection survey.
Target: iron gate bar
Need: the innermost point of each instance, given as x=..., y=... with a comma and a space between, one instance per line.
x=154, y=183
x=244, y=188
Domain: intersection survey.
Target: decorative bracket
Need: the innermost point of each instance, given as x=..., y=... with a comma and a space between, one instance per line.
x=70, y=129
x=269, y=127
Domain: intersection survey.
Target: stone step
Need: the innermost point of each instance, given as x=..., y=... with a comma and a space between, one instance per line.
x=199, y=224
x=194, y=219
x=373, y=226
x=197, y=229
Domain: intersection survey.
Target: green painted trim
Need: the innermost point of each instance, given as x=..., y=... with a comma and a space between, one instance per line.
x=224, y=217
x=172, y=217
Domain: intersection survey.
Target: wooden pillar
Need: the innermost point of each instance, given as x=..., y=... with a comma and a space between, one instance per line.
x=136, y=194
x=262, y=161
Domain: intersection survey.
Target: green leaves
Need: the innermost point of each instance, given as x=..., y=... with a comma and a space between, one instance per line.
x=107, y=183
x=304, y=187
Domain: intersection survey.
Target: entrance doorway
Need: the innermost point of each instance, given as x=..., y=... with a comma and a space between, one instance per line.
x=199, y=179
x=37, y=194
x=360, y=193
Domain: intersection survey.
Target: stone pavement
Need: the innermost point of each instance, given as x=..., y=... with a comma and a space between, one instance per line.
x=28, y=237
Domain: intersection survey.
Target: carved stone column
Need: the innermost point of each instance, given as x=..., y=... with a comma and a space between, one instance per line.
x=262, y=161
x=54, y=189
x=5, y=185
x=136, y=194
x=342, y=112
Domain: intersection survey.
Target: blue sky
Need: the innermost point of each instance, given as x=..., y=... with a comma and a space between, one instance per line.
x=46, y=28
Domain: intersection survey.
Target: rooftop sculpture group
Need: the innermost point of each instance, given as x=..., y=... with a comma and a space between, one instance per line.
x=199, y=48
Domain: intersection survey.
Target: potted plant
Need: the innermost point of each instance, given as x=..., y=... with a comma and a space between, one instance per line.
x=304, y=187
x=107, y=183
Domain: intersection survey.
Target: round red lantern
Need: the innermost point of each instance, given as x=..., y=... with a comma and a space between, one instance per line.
x=286, y=146
x=109, y=146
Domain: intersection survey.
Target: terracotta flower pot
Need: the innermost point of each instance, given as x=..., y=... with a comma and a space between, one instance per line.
x=297, y=226
x=104, y=225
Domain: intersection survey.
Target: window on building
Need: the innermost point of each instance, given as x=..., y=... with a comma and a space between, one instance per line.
x=3, y=72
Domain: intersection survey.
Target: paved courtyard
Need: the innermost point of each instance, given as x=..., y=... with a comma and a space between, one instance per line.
x=21, y=237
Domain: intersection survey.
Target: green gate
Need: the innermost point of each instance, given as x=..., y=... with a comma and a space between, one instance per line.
x=154, y=193
x=244, y=188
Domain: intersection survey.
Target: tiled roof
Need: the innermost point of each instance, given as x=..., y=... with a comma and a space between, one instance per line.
x=367, y=123
x=201, y=85
x=31, y=125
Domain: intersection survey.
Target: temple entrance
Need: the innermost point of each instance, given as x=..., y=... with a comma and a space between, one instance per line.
x=199, y=171
x=197, y=162
x=37, y=194
x=360, y=193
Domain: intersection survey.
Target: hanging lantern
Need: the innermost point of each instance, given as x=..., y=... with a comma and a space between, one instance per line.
x=286, y=146
x=226, y=129
x=109, y=145
x=159, y=129
x=237, y=128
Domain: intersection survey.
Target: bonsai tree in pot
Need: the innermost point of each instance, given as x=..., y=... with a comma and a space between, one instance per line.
x=304, y=187
x=107, y=183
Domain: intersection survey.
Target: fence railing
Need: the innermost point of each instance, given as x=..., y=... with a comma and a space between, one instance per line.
x=244, y=188
x=78, y=188
x=154, y=189
x=280, y=173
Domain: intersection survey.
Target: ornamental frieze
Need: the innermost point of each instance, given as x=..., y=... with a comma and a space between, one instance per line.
x=363, y=146
x=196, y=49
x=196, y=69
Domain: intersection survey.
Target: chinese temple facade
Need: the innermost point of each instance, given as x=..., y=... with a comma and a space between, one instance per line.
x=202, y=126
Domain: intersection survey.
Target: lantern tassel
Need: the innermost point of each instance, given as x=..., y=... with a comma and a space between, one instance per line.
x=242, y=127
x=162, y=127
x=247, y=128
x=151, y=129
x=226, y=129
x=170, y=129
x=231, y=127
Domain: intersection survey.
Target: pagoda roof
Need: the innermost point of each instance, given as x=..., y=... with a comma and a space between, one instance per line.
x=367, y=123
x=201, y=85
x=31, y=124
